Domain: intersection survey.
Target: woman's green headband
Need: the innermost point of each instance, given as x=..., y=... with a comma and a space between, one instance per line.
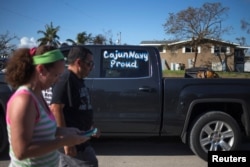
x=48, y=57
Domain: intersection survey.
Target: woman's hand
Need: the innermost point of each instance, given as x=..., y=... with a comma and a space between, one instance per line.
x=71, y=136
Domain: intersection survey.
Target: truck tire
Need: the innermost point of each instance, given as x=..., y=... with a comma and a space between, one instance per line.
x=214, y=131
x=3, y=134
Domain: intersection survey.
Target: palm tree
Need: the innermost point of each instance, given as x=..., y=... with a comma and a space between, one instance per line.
x=50, y=35
x=71, y=41
x=99, y=39
x=81, y=38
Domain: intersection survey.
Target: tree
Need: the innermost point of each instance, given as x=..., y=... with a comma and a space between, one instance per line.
x=99, y=39
x=81, y=38
x=5, y=47
x=241, y=41
x=245, y=25
x=50, y=36
x=197, y=24
x=71, y=41
x=109, y=37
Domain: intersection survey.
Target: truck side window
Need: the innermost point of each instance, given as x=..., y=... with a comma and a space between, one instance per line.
x=124, y=63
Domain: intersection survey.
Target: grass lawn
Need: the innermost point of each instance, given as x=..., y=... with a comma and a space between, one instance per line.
x=180, y=73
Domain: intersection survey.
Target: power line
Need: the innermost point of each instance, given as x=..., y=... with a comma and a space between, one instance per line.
x=22, y=15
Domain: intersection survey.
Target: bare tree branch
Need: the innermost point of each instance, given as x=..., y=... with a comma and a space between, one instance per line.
x=5, y=46
x=197, y=24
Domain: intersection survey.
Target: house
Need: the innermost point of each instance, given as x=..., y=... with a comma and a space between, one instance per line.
x=215, y=54
x=247, y=62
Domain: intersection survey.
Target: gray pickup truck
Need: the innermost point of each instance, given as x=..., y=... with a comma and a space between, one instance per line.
x=130, y=97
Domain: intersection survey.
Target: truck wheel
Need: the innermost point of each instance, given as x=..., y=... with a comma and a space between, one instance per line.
x=214, y=131
x=3, y=135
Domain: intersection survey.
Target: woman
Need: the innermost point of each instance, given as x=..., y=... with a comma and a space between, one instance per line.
x=33, y=135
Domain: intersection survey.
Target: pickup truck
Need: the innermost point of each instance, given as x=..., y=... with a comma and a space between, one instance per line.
x=130, y=97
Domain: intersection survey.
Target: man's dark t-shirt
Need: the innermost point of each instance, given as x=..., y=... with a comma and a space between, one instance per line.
x=72, y=92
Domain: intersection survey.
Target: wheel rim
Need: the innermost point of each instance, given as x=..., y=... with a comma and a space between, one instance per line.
x=217, y=136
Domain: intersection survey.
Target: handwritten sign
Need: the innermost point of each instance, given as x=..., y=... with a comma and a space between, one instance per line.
x=125, y=58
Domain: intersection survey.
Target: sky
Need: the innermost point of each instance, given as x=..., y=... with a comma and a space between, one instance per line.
x=132, y=21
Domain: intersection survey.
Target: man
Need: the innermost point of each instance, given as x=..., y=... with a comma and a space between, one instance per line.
x=71, y=105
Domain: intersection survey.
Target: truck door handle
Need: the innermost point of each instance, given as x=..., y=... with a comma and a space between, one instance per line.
x=145, y=89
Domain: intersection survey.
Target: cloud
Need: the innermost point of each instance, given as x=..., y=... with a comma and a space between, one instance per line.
x=26, y=42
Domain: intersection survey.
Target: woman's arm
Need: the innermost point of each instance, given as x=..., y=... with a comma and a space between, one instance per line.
x=22, y=122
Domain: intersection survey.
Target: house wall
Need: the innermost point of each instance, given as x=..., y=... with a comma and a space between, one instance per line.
x=204, y=59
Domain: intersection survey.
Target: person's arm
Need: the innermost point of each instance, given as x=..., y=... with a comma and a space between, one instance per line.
x=57, y=110
x=59, y=96
x=22, y=119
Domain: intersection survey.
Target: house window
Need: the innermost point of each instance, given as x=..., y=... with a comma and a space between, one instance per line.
x=173, y=50
x=220, y=49
x=190, y=49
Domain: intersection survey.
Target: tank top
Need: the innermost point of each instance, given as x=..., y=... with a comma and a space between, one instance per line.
x=45, y=128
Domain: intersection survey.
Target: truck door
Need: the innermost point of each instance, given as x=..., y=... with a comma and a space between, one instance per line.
x=126, y=96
